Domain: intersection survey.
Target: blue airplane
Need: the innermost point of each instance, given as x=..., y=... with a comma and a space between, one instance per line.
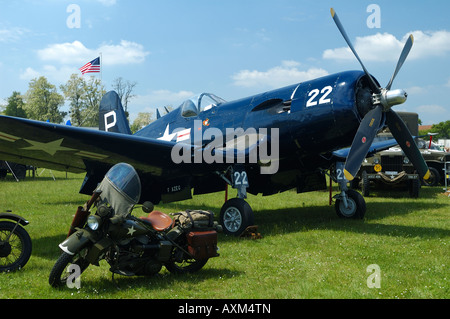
x=289, y=138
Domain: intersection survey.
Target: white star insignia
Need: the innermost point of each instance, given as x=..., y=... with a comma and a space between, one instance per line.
x=131, y=231
x=50, y=147
x=167, y=137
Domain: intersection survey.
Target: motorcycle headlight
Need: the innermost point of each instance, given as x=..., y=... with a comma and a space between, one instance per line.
x=93, y=222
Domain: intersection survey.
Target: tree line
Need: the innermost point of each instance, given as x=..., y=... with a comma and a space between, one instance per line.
x=43, y=101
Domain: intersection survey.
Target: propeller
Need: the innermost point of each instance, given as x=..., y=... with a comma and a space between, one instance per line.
x=383, y=100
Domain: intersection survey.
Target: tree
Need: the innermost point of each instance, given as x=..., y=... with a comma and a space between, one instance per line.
x=124, y=90
x=43, y=102
x=94, y=92
x=142, y=119
x=73, y=92
x=442, y=128
x=15, y=106
x=84, y=97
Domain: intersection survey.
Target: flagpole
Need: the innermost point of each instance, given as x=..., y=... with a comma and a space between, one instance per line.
x=101, y=67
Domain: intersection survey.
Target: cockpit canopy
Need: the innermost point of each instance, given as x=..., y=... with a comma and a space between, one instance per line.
x=199, y=103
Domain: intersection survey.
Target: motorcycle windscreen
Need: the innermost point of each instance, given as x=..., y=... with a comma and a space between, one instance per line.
x=121, y=188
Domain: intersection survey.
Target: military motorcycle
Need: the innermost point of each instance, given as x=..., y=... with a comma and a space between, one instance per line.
x=15, y=242
x=133, y=246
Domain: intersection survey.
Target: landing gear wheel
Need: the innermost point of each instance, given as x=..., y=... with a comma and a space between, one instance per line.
x=235, y=216
x=434, y=178
x=356, y=207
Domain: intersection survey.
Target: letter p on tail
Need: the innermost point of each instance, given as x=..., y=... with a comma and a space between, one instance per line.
x=111, y=116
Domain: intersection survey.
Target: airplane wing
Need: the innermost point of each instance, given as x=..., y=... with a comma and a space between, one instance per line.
x=71, y=149
x=374, y=148
x=78, y=150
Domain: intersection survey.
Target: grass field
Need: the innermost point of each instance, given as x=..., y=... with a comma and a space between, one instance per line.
x=306, y=250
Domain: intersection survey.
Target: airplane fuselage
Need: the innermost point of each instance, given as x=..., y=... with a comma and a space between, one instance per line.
x=314, y=118
x=317, y=116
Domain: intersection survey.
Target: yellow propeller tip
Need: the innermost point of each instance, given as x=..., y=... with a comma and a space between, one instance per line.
x=348, y=176
x=427, y=175
x=332, y=12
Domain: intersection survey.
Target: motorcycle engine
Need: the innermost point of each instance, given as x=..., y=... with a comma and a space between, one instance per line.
x=152, y=267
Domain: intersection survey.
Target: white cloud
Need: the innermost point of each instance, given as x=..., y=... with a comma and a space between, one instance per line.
x=107, y=3
x=285, y=74
x=386, y=47
x=157, y=99
x=431, y=109
x=160, y=98
x=447, y=84
x=53, y=73
x=29, y=74
x=12, y=34
x=416, y=90
x=76, y=53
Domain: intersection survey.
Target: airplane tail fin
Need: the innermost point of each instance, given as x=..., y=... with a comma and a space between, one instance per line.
x=111, y=116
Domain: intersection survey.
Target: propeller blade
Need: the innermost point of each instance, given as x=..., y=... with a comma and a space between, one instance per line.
x=402, y=135
x=363, y=140
x=374, y=85
x=401, y=60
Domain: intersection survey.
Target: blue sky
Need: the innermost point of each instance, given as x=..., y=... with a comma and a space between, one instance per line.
x=176, y=49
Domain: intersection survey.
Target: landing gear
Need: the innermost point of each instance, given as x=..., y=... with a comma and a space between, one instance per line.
x=355, y=208
x=349, y=203
x=236, y=214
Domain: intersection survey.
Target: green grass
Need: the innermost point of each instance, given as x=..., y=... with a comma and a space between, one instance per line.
x=306, y=250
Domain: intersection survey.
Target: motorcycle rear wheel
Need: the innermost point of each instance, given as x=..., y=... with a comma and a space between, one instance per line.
x=186, y=266
x=59, y=274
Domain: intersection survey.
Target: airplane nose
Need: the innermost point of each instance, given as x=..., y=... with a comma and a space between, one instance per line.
x=390, y=98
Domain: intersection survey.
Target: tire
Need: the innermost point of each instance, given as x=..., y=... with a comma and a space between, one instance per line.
x=434, y=178
x=15, y=253
x=180, y=263
x=58, y=275
x=187, y=266
x=356, y=206
x=414, y=188
x=235, y=216
x=365, y=185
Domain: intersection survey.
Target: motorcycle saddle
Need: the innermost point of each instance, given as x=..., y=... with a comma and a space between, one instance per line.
x=158, y=220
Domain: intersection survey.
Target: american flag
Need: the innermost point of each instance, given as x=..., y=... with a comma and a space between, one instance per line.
x=91, y=67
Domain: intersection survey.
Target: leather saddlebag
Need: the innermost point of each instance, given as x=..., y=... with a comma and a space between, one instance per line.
x=202, y=244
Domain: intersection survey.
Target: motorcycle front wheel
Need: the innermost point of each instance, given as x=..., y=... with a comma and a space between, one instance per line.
x=15, y=246
x=61, y=271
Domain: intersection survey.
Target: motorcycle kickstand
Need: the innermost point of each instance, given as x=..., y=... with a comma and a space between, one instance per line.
x=114, y=282
x=115, y=266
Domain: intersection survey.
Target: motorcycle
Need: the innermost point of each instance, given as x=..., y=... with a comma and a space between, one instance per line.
x=133, y=246
x=15, y=242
